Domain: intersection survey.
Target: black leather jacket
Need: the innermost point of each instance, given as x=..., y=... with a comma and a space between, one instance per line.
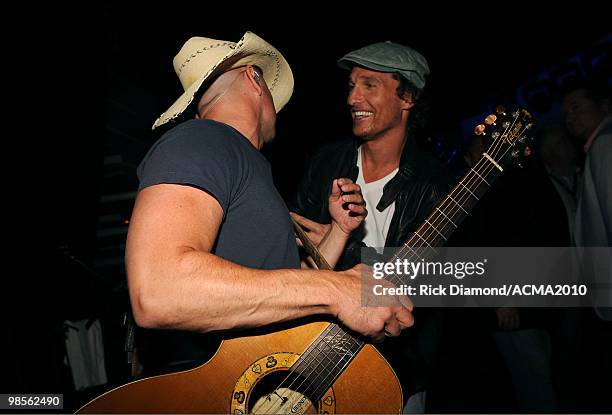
x=419, y=185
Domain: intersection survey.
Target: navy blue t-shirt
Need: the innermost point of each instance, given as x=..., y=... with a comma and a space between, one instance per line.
x=256, y=230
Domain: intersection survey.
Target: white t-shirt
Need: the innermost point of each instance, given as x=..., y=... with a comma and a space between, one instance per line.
x=376, y=223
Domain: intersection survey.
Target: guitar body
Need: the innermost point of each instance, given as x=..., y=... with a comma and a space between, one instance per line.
x=234, y=379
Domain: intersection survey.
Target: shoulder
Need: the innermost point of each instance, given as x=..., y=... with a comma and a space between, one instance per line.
x=198, y=141
x=195, y=134
x=189, y=149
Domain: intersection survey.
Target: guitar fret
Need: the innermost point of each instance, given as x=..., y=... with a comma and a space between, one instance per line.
x=481, y=178
x=410, y=248
x=466, y=188
x=435, y=229
x=322, y=372
x=321, y=365
x=325, y=351
x=447, y=218
x=324, y=384
x=424, y=240
x=461, y=207
x=342, y=355
x=332, y=349
x=326, y=380
x=307, y=357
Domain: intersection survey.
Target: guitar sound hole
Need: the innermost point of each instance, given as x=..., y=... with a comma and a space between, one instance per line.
x=274, y=393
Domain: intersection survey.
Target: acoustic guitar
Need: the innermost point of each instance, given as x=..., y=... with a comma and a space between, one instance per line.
x=317, y=367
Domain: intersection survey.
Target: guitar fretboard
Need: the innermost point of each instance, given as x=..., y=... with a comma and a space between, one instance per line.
x=325, y=359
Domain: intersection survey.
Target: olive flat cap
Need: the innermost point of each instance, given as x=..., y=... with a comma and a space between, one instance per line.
x=389, y=57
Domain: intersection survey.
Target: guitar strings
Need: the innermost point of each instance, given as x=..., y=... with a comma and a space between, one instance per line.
x=304, y=359
x=486, y=169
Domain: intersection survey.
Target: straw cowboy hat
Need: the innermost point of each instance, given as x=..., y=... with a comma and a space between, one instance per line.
x=202, y=58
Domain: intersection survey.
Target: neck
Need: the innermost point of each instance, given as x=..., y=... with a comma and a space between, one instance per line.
x=381, y=156
x=245, y=122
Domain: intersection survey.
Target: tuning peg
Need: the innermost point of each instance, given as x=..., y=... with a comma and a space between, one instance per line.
x=515, y=153
x=490, y=119
x=479, y=129
x=500, y=110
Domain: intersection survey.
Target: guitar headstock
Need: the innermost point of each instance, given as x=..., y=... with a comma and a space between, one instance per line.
x=507, y=136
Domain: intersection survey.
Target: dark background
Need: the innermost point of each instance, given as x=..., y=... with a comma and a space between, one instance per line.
x=96, y=77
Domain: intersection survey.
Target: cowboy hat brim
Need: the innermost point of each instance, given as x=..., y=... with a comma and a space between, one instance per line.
x=250, y=50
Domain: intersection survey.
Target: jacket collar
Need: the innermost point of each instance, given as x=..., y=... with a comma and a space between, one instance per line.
x=406, y=172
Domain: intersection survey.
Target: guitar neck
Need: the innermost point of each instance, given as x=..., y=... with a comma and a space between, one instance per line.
x=451, y=211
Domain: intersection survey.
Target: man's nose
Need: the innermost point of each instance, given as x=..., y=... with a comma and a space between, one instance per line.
x=354, y=97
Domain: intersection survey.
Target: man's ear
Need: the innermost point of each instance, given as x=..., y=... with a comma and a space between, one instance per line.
x=254, y=78
x=407, y=101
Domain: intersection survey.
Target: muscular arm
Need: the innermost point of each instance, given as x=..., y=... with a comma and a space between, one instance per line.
x=176, y=282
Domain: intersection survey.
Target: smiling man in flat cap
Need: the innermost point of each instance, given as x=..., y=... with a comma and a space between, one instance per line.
x=400, y=184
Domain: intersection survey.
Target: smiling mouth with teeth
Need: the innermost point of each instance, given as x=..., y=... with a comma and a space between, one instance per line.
x=362, y=114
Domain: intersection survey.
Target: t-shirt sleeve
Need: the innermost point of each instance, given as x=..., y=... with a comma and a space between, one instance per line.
x=205, y=162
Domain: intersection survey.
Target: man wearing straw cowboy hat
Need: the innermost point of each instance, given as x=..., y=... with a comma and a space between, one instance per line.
x=401, y=184
x=210, y=245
